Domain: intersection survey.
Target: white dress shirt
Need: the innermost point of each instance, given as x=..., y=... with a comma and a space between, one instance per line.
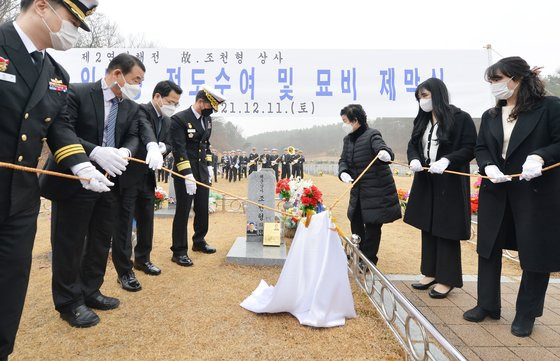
x=198, y=116
x=27, y=41
x=508, y=127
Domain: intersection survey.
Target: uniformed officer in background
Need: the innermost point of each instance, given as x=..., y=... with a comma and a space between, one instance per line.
x=265, y=158
x=274, y=159
x=243, y=161
x=33, y=92
x=286, y=160
x=253, y=160
x=190, y=135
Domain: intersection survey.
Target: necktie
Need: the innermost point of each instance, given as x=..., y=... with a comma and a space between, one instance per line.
x=158, y=126
x=109, y=134
x=37, y=57
x=202, y=122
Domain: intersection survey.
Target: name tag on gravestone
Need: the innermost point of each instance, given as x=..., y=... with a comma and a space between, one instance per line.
x=272, y=234
x=262, y=186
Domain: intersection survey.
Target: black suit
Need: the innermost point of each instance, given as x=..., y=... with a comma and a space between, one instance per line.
x=32, y=110
x=138, y=185
x=519, y=214
x=286, y=166
x=191, y=150
x=254, y=158
x=76, y=212
x=233, y=168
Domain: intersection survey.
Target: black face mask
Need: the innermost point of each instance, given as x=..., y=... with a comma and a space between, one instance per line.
x=207, y=112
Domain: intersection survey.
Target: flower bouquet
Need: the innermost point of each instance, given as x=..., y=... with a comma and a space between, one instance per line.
x=403, y=198
x=161, y=196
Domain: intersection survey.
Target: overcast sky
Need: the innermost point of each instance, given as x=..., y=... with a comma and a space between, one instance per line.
x=515, y=27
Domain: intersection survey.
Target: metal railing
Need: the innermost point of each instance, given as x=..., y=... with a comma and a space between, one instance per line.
x=415, y=333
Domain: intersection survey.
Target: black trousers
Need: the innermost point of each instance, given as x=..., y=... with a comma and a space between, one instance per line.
x=286, y=171
x=252, y=169
x=295, y=171
x=225, y=172
x=441, y=259
x=135, y=202
x=243, y=172
x=532, y=290
x=17, y=234
x=161, y=175
x=166, y=176
x=182, y=210
x=370, y=233
x=232, y=174
x=81, y=231
x=275, y=168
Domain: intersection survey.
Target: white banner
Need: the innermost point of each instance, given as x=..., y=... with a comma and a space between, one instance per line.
x=302, y=83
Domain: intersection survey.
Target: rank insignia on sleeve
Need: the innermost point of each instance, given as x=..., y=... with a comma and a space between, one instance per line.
x=57, y=85
x=4, y=64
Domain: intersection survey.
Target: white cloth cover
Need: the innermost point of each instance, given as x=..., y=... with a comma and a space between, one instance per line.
x=313, y=285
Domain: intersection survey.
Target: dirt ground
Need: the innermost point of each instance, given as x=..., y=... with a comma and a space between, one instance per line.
x=194, y=313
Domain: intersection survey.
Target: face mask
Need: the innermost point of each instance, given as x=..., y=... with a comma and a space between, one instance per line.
x=426, y=105
x=207, y=112
x=130, y=91
x=167, y=109
x=501, y=91
x=66, y=37
x=347, y=127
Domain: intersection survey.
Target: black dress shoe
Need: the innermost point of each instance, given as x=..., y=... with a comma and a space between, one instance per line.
x=184, y=261
x=203, y=247
x=438, y=295
x=522, y=326
x=80, y=316
x=129, y=282
x=100, y=302
x=148, y=268
x=478, y=314
x=422, y=286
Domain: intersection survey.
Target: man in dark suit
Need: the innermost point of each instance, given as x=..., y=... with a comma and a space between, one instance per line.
x=286, y=160
x=106, y=121
x=234, y=166
x=33, y=93
x=225, y=164
x=190, y=134
x=243, y=162
x=253, y=160
x=274, y=160
x=265, y=159
x=138, y=185
x=299, y=164
x=215, y=164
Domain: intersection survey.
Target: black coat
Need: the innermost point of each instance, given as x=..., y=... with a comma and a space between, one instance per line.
x=535, y=205
x=87, y=115
x=376, y=190
x=32, y=110
x=191, y=144
x=440, y=203
x=147, y=130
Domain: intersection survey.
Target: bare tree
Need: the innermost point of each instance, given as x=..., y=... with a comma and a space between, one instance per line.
x=8, y=10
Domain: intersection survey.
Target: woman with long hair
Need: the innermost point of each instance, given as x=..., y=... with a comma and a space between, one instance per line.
x=443, y=137
x=520, y=134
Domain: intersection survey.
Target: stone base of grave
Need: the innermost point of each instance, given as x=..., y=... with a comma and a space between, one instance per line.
x=255, y=254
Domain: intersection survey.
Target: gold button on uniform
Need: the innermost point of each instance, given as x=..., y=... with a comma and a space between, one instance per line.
x=26, y=115
x=24, y=137
x=20, y=158
x=47, y=120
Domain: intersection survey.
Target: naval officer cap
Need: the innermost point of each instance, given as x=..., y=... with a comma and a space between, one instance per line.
x=81, y=9
x=215, y=99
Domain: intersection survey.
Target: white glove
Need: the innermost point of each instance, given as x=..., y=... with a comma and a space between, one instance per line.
x=190, y=184
x=97, y=181
x=346, y=178
x=496, y=176
x=162, y=147
x=236, y=166
x=110, y=159
x=210, y=173
x=416, y=166
x=154, y=159
x=532, y=168
x=384, y=156
x=439, y=166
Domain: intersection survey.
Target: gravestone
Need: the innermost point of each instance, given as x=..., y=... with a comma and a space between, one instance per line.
x=249, y=250
x=262, y=186
x=169, y=211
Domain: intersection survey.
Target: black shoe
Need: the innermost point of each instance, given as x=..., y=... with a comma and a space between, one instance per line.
x=148, y=268
x=184, y=261
x=203, y=247
x=478, y=314
x=438, y=295
x=522, y=326
x=100, y=302
x=422, y=286
x=129, y=282
x=80, y=316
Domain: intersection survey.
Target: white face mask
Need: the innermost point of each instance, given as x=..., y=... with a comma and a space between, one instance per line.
x=167, y=109
x=501, y=91
x=67, y=37
x=347, y=127
x=130, y=91
x=426, y=105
